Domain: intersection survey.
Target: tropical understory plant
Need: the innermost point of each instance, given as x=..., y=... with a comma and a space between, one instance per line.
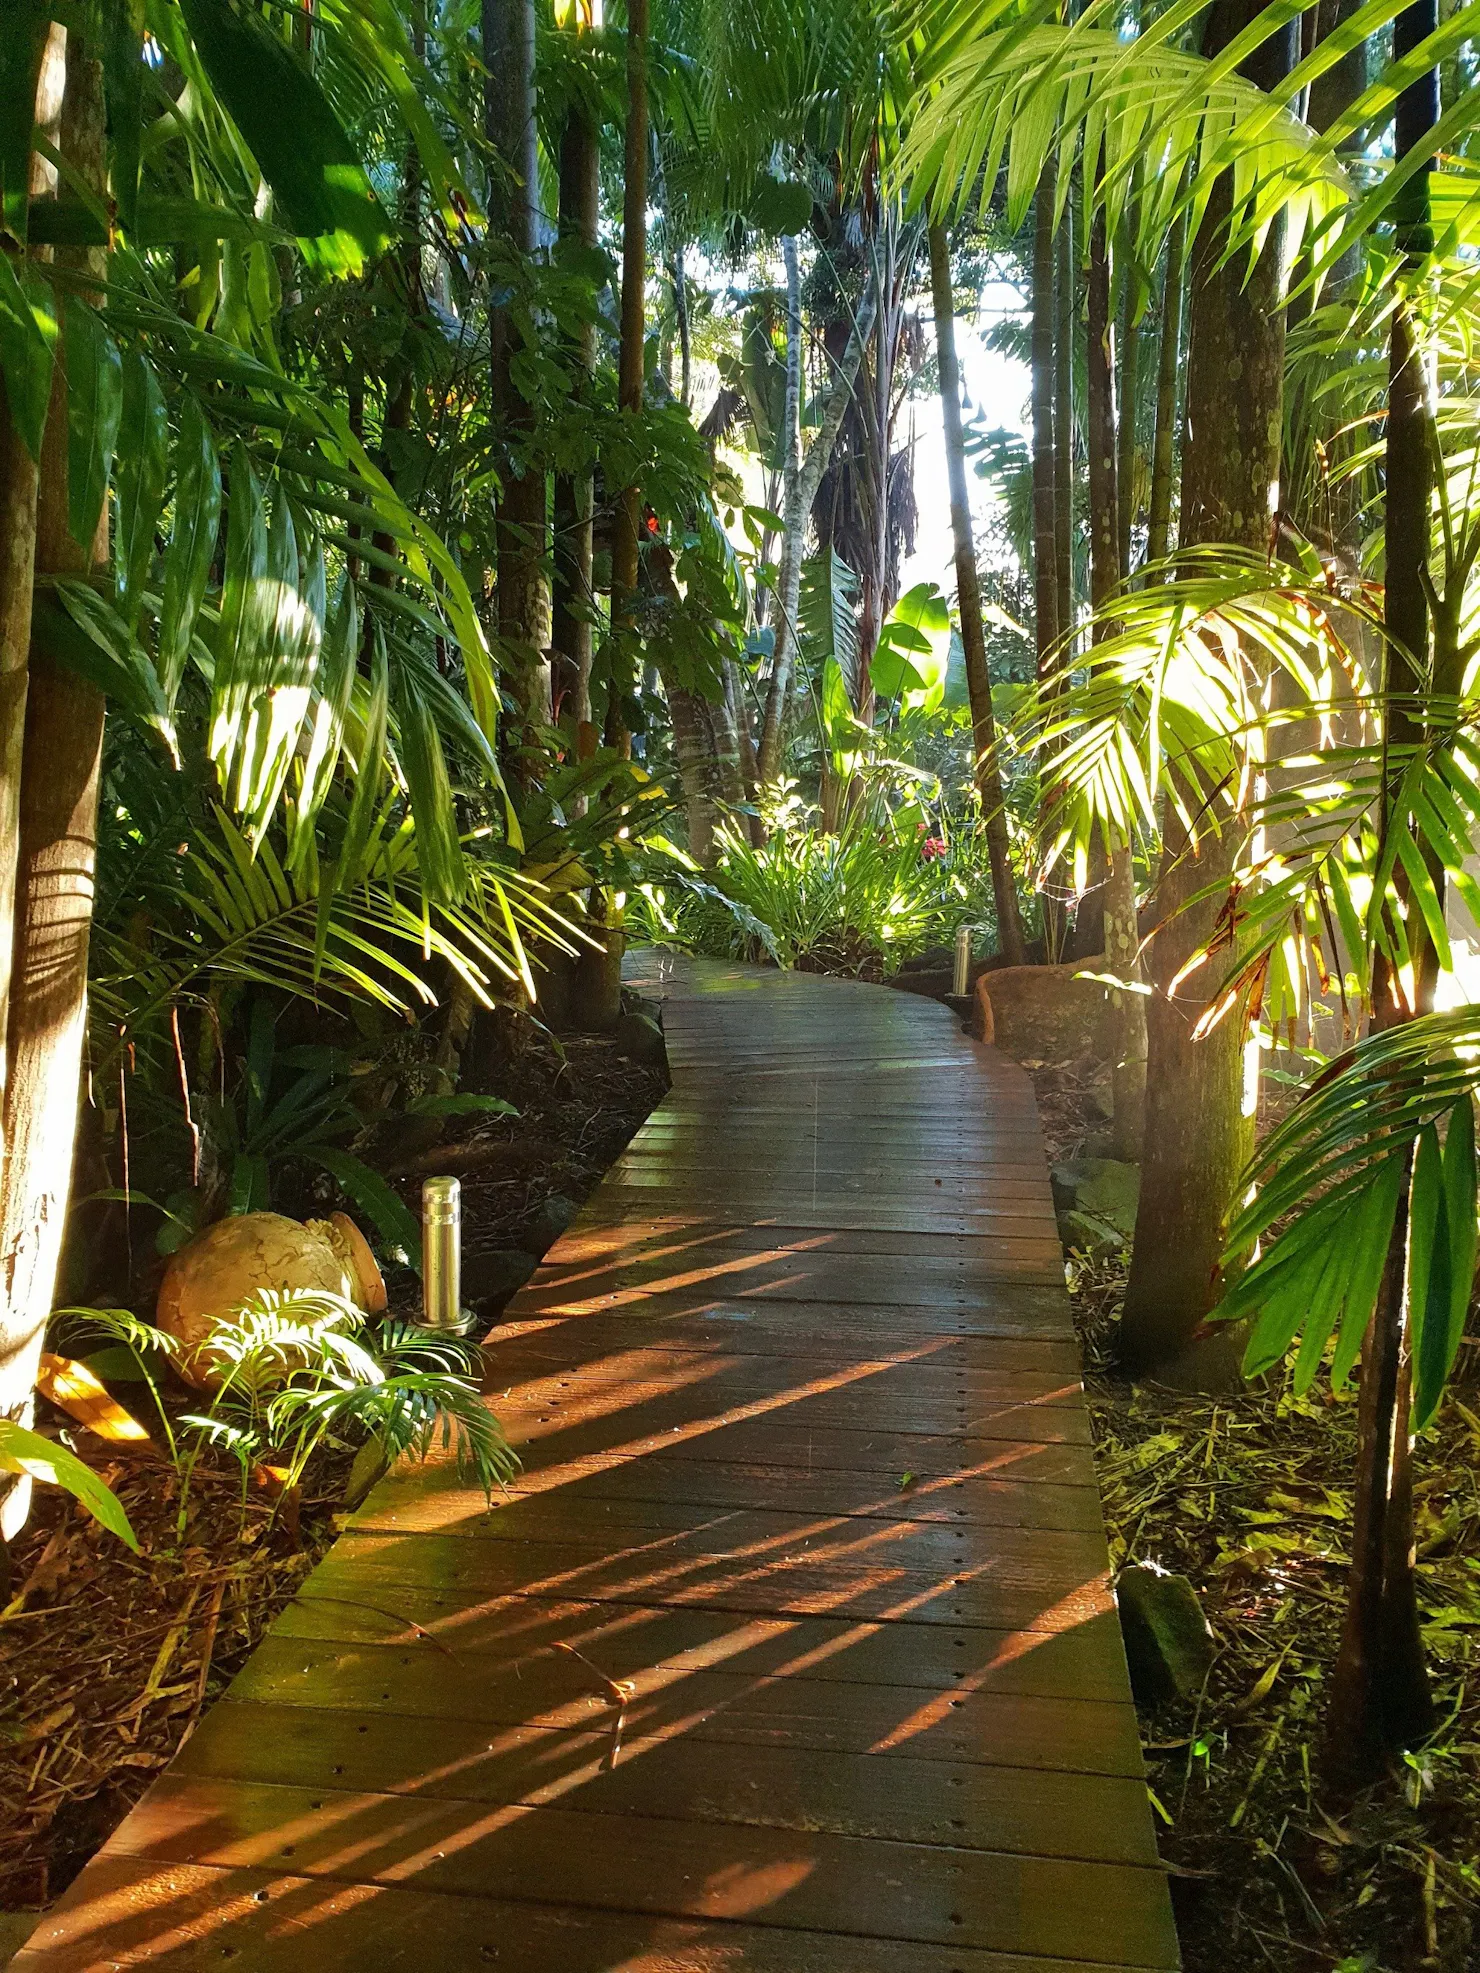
x=291, y=1373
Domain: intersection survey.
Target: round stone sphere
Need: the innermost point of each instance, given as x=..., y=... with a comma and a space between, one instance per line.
x=226, y=1264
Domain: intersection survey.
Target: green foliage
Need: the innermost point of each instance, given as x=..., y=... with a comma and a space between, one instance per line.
x=913, y=652
x=291, y=1107
x=31, y=1456
x=859, y=901
x=315, y=173
x=1363, y=1143
x=28, y=338
x=94, y=407
x=294, y=1371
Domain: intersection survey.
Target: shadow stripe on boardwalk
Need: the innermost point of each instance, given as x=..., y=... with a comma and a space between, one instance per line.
x=791, y=1649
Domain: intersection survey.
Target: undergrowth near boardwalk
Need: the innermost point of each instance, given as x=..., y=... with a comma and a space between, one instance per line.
x=1249, y=1496
x=107, y=1658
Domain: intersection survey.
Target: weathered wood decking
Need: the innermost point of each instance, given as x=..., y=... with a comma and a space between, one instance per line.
x=792, y=1652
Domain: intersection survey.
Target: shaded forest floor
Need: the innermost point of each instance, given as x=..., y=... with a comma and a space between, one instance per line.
x=107, y=1659
x=1249, y=1497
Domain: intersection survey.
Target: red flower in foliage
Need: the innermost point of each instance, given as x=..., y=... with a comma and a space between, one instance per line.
x=933, y=847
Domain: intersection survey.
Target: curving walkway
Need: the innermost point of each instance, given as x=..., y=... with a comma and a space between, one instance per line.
x=792, y=1651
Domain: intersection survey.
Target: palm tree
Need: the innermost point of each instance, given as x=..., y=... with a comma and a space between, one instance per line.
x=225, y=650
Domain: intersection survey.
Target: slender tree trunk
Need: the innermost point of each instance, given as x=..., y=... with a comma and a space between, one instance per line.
x=804, y=493
x=1045, y=518
x=1168, y=368
x=969, y=603
x=509, y=108
x=680, y=284
x=57, y=838
x=794, y=515
x=1129, y=384
x=18, y=484
x=1198, y=1135
x=1122, y=936
x=1104, y=520
x=1046, y=573
x=1054, y=913
x=621, y=679
x=1380, y=1699
x=1065, y=282
x=573, y=597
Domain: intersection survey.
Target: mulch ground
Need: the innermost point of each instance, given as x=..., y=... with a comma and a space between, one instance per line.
x=108, y=1659
x=1249, y=1497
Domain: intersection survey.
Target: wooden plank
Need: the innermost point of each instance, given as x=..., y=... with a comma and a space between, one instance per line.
x=186, y=1918
x=278, y=1700
x=414, y=1504
x=791, y=1648
x=528, y=1635
x=521, y=1346
x=667, y=1867
x=906, y=1380
x=777, y=1439
x=1021, y=1593
x=966, y=1804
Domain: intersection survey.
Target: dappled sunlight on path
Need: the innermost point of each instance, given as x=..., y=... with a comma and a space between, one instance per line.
x=790, y=1650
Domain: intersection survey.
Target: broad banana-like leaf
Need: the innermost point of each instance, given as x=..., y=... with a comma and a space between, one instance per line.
x=827, y=616
x=28, y=339
x=439, y=856
x=143, y=460
x=94, y=407
x=247, y=616
x=913, y=653
x=334, y=684
x=158, y=222
x=27, y=23
x=192, y=546
x=317, y=178
x=122, y=47
x=39, y=1458
x=1441, y=1255
x=80, y=629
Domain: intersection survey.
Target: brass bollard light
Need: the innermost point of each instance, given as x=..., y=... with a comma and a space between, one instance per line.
x=441, y=1255
x=961, y=978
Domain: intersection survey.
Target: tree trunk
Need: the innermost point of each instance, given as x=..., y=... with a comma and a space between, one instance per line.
x=680, y=283
x=57, y=848
x=1130, y=363
x=969, y=603
x=573, y=599
x=1198, y=1136
x=1065, y=315
x=18, y=483
x=1168, y=369
x=1380, y=1699
x=794, y=515
x=1045, y=540
x=1046, y=572
x=621, y=680
x=1044, y=500
x=1121, y=932
x=1104, y=521
x=509, y=110
x=804, y=493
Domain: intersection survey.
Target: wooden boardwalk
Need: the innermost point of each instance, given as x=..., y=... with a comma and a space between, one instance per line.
x=792, y=1651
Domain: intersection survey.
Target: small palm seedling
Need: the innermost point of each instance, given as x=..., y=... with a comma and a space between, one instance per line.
x=296, y=1371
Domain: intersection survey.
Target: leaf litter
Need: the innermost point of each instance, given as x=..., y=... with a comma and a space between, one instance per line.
x=107, y=1659
x=1249, y=1496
